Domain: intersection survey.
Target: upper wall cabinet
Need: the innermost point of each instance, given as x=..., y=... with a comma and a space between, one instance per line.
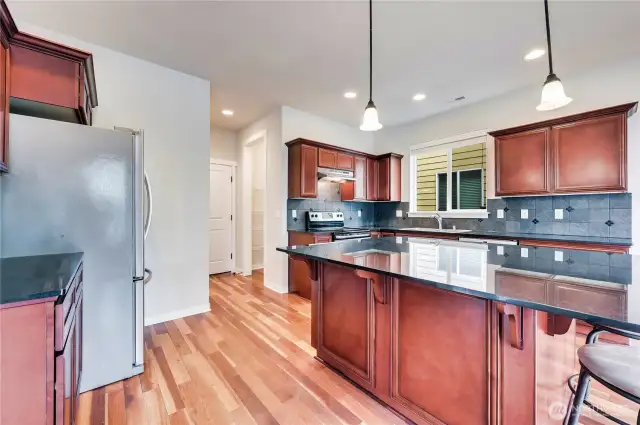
x=376, y=177
x=49, y=80
x=580, y=153
x=303, y=171
x=7, y=31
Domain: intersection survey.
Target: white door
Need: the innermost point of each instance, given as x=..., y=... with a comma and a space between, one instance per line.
x=220, y=219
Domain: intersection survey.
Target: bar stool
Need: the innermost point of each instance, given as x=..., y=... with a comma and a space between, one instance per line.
x=617, y=367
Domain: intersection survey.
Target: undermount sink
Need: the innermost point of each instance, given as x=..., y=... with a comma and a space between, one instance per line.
x=427, y=229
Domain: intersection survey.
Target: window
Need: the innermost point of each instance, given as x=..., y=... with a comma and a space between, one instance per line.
x=450, y=178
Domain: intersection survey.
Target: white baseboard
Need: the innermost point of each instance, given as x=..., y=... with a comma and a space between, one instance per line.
x=177, y=314
x=258, y=267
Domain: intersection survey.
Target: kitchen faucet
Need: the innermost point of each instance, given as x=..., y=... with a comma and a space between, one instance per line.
x=437, y=217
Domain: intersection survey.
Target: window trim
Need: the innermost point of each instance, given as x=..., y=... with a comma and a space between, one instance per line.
x=448, y=144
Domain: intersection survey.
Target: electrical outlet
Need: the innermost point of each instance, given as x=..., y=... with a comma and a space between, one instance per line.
x=399, y=213
x=559, y=213
x=500, y=213
x=359, y=213
x=500, y=250
x=399, y=239
x=294, y=214
x=559, y=256
x=524, y=213
x=524, y=252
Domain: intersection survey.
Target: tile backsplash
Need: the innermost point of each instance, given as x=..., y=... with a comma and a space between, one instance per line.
x=601, y=215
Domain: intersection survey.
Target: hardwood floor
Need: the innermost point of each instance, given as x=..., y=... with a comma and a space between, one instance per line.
x=249, y=361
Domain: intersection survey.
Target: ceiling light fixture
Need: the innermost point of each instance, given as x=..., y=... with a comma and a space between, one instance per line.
x=227, y=112
x=534, y=54
x=553, y=96
x=350, y=95
x=370, y=120
x=419, y=96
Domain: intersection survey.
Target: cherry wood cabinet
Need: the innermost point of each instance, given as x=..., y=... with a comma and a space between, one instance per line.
x=579, y=153
x=345, y=161
x=356, y=190
x=303, y=171
x=424, y=351
x=7, y=31
x=377, y=177
x=590, y=155
x=41, y=379
x=327, y=158
x=373, y=167
x=522, y=162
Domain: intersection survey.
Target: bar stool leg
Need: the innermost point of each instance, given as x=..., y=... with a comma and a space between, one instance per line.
x=578, y=399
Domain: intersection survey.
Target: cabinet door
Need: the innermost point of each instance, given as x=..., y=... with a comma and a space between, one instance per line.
x=522, y=163
x=308, y=171
x=327, y=158
x=436, y=365
x=590, y=155
x=384, y=182
x=346, y=329
x=360, y=174
x=345, y=161
x=372, y=179
x=4, y=107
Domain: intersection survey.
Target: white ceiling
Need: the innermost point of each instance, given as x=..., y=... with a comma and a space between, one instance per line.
x=305, y=54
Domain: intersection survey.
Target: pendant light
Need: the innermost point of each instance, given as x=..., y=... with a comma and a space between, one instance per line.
x=370, y=119
x=553, y=96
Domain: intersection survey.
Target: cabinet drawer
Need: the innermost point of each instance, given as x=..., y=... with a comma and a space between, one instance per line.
x=64, y=309
x=322, y=239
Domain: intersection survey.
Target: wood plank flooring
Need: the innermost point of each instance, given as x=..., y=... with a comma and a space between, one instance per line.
x=248, y=361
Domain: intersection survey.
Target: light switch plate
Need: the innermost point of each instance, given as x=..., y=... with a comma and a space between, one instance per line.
x=524, y=252
x=559, y=256
x=399, y=239
x=500, y=250
x=399, y=213
x=524, y=213
x=500, y=213
x=359, y=213
x=294, y=213
x=559, y=213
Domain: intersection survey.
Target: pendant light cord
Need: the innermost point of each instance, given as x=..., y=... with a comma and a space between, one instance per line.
x=371, y=49
x=546, y=15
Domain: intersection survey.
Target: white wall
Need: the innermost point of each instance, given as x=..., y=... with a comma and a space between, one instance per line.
x=296, y=123
x=173, y=109
x=223, y=144
x=608, y=86
x=275, y=199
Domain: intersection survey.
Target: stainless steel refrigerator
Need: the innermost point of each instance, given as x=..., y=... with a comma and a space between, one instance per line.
x=78, y=188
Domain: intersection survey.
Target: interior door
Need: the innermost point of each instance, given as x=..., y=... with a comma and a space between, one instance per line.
x=220, y=219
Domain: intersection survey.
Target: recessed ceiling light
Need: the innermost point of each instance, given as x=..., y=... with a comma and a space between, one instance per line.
x=350, y=95
x=534, y=54
x=419, y=96
x=227, y=112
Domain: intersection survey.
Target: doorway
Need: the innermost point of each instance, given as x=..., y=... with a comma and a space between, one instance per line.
x=254, y=203
x=221, y=212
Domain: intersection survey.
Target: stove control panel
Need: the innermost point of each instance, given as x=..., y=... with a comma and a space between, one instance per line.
x=322, y=216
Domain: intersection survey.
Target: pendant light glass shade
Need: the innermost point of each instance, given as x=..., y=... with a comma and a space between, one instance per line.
x=370, y=119
x=553, y=96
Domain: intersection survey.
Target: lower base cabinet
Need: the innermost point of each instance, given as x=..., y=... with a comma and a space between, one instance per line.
x=438, y=357
x=41, y=359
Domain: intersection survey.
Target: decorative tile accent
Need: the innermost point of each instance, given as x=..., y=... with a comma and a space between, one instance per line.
x=535, y=221
x=569, y=208
x=506, y=209
x=609, y=223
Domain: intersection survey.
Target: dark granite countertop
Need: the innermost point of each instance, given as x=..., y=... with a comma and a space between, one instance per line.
x=536, y=236
x=36, y=277
x=567, y=282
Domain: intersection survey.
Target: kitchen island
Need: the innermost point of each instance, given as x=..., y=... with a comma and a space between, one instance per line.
x=445, y=332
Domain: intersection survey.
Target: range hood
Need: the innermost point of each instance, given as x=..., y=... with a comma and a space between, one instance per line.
x=335, y=176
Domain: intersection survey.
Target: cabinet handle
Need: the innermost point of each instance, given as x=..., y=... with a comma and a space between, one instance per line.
x=515, y=316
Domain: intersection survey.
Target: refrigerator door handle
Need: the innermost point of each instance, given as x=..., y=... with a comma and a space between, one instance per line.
x=148, y=275
x=149, y=195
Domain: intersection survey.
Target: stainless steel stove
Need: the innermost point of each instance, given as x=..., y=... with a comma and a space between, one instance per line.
x=333, y=221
